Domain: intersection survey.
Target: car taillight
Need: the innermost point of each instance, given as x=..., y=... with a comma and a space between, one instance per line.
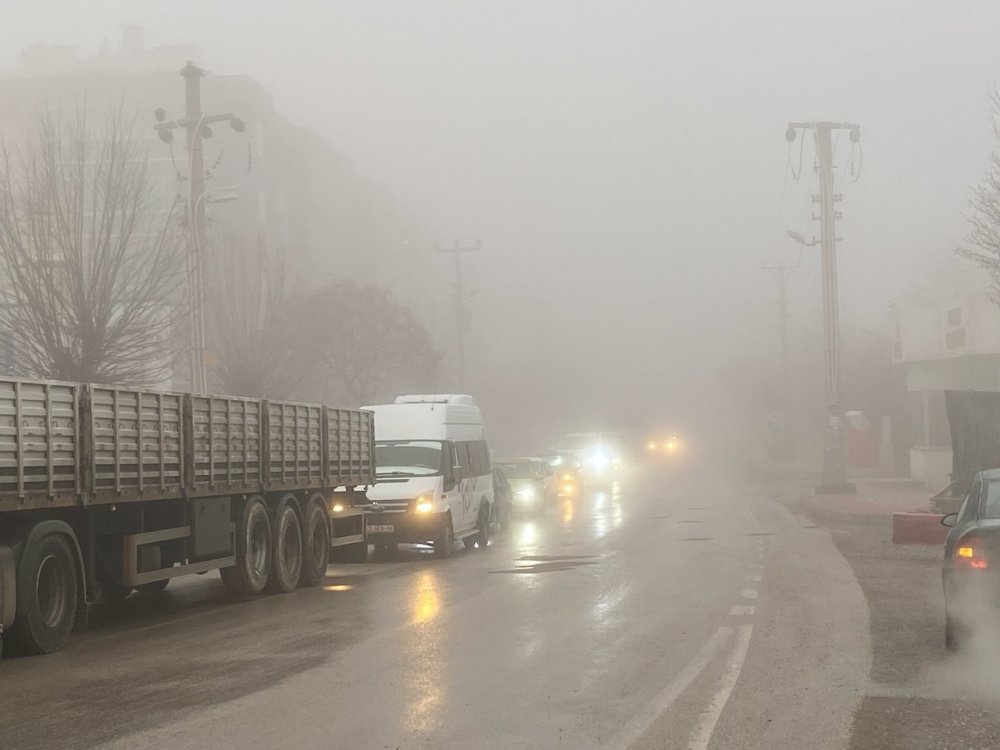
x=971, y=557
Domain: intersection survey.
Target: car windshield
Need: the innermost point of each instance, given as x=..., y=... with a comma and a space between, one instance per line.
x=517, y=470
x=408, y=458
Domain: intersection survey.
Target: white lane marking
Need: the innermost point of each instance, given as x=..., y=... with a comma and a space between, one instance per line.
x=749, y=593
x=740, y=610
x=733, y=667
x=643, y=720
x=755, y=577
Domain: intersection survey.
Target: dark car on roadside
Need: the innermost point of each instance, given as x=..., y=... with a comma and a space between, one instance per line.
x=503, y=499
x=971, y=570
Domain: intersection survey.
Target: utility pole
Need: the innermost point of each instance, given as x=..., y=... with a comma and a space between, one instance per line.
x=834, y=460
x=787, y=447
x=196, y=125
x=461, y=317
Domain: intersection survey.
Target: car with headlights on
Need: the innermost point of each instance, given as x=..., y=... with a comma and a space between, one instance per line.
x=568, y=477
x=971, y=569
x=529, y=480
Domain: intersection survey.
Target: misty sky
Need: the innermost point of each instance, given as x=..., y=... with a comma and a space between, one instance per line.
x=625, y=159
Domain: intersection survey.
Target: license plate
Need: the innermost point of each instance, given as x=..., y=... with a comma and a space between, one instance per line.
x=381, y=528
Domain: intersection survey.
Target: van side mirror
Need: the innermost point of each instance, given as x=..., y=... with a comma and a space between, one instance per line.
x=950, y=519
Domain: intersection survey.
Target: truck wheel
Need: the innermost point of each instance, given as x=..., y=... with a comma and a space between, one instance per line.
x=316, y=546
x=287, y=555
x=153, y=588
x=253, y=551
x=446, y=538
x=47, y=594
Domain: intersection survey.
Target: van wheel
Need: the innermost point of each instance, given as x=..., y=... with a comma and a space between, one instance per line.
x=482, y=536
x=253, y=551
x=316, y=543
x=287, y=555
x=47, y=594
x=445, y=540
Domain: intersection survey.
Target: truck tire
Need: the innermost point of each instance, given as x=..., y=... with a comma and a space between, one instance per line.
x=446, y=537
x=316, y=545
x=253, y=551
x=287, y=550
x=47, y=596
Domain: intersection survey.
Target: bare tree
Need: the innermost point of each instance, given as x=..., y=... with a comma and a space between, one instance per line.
x=983, y=243
x=91, y=257
x=247, y=304
x=365, y=344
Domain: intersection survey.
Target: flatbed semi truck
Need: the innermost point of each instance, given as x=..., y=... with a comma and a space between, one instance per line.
x=105, y=490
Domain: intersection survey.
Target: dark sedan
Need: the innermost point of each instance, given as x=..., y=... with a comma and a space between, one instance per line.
x=972, y=560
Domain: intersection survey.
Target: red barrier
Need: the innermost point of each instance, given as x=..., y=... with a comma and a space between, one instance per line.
x=918, y=528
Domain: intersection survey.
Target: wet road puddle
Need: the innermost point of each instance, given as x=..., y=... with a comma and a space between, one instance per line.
x=549, y=563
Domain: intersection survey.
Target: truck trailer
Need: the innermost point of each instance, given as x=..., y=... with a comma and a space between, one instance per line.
x=105, y=490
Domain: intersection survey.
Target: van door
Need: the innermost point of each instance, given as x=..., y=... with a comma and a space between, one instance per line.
x=462, y=506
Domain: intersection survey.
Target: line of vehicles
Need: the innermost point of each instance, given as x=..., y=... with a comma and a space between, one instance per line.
x=105, y=491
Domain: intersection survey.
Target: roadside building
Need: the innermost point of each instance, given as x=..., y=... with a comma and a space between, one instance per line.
x=276, y=182
x=943, y=345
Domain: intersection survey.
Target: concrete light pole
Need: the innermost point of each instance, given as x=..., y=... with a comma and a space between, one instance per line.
x=834, y=459
x=461, y=318
x=196, y=124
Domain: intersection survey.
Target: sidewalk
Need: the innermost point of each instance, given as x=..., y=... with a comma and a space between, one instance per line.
x=888, y=504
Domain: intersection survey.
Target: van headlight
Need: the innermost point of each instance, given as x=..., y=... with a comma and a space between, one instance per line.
x=424, y=505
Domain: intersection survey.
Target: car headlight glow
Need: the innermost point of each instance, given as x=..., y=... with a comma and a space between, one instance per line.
x=526, y=494
x=424, y=505
x=600, y=460
x=337, y=508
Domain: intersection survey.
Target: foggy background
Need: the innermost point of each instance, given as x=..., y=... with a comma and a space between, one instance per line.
x=623, y=163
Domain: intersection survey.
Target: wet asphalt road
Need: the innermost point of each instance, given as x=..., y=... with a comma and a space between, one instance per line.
x=675, y=609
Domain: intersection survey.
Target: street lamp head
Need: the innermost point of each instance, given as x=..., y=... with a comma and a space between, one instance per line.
x=237, y=124
x=797, y=236
x=160, y=114
x=165, y=135
x=790, y=134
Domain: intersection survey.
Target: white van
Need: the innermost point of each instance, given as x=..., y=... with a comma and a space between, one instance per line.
x=433, y=475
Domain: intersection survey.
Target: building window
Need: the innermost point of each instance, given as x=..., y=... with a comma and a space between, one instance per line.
x=955, y=339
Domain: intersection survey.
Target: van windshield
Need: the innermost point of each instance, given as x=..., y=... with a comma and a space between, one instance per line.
x=408, y=458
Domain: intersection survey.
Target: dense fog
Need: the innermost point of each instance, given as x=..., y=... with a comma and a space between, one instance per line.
x=623, y=164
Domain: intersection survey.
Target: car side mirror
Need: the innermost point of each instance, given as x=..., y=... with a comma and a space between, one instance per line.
x=950, y=519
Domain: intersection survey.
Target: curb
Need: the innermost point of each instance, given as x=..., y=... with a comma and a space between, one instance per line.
x=837, y=516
